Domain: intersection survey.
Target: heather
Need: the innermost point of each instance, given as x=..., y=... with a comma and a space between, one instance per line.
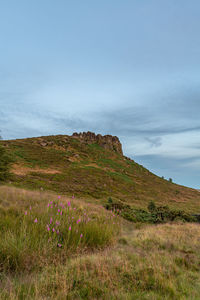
x=69, y=165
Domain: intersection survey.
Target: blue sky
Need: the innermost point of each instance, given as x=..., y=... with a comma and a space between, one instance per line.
x=126, y=68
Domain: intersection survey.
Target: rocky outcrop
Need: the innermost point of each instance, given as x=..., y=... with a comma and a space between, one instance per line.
x=108, y=142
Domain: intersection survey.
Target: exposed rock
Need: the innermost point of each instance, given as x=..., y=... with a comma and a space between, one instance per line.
x=127, y=158
x=43, y=144
x=108, y=142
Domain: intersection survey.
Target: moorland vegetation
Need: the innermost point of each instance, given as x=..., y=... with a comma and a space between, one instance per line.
x=78, y=221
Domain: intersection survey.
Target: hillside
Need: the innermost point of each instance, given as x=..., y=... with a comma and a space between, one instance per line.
x=91, y=166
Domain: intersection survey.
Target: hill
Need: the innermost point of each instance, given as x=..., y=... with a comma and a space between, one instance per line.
x=92, y=166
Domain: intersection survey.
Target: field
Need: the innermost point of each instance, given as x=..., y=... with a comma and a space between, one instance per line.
x=92, y=253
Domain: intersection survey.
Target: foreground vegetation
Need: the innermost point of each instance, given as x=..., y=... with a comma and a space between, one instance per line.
x=95, y=260
x=36, y=233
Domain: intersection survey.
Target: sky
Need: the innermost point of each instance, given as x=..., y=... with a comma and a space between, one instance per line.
x=128, y=68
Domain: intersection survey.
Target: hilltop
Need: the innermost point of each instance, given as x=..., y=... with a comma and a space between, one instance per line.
x=91, y=166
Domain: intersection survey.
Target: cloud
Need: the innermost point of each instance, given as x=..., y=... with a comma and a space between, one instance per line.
x=154, y=141
x=163, y=136
x=150, y=121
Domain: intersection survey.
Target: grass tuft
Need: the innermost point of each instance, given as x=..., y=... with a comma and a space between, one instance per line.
x=36, y=234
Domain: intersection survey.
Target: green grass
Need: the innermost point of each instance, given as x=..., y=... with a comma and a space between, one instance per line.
x=139, y=262
x=120, y=177
x=88, y=170
x=103, y=256
x=38, y=233
x=110, y=163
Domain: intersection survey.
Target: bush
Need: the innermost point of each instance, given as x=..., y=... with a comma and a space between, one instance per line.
x=155, y=214
x=151, y=206
x=110, y=200
x=5, y=161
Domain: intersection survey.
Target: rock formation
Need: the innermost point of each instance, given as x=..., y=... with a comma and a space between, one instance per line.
x=108, y=142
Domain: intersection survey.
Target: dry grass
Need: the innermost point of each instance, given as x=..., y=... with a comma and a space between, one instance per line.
x=39, y=229
x=17, y=197
x=147, y=266
x=22, y=170
x=149, y=262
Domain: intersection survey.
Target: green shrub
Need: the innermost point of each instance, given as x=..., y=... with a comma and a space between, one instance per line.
x=151, y=206
x=5, y=161
x=155, y=214
x=110, y=200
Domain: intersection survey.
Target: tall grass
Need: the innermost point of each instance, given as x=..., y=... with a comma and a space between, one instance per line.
x=34, y=235
x=157, y=262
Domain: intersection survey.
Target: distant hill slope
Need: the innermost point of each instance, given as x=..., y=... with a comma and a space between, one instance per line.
x=90, y=165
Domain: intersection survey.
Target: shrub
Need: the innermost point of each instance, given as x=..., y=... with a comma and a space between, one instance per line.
x=151, y=206
x=5, y=161
x=155, y=214
x=110, y=200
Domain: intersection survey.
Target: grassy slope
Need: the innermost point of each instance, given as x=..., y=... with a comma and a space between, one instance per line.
x=150, y=262
x=88, y=171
